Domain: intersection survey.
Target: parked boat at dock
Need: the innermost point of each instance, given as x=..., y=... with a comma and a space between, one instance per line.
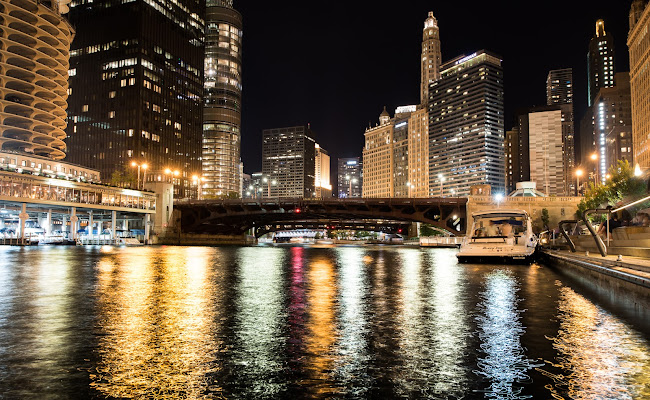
x=500, y=235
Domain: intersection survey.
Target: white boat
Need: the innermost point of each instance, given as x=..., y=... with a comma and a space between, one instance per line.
x=500, y=236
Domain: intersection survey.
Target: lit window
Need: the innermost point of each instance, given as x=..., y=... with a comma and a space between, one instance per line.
x=84, y=108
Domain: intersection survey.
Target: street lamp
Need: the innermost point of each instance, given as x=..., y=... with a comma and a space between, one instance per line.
x=198, y=181
x=498, y=197
x=410, y=186
x=637, y=170
x=350, y=181
x=594, y=158
x=579, y=173
x=442, y=179
x=143, y=166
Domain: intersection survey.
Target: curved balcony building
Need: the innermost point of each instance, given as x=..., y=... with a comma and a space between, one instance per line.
x=222, y=99
x=34, y=59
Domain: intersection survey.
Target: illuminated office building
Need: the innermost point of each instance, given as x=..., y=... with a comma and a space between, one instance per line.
x=222, y=98
x=385, y=157
x=323, y=186
x=559, y=91
x=466, y=129
x=349, y=177
x=289, y=162
x=601, y=60
x=136, y=82
x=638, y=43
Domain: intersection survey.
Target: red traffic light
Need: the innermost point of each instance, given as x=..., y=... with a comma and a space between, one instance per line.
x=297, y=211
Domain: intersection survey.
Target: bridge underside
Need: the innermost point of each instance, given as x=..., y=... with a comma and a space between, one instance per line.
x=236, y=217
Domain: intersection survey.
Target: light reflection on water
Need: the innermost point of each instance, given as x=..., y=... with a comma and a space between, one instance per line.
x=599, y=356
x=299, y=322
x=504, y=365
x=155, y=326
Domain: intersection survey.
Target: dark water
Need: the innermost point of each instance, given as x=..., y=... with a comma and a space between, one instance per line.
x=295, y=322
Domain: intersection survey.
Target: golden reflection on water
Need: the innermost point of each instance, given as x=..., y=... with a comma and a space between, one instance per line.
x=156, y=327
x=321, y=326
x=602, y=357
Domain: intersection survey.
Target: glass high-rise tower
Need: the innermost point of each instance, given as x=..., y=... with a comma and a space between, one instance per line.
x=222, y=99
x=559, y=91
x=466, y=126
x=600, y=61
x=136, y=81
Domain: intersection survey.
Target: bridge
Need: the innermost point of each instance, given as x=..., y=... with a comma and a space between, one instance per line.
x=235, y=217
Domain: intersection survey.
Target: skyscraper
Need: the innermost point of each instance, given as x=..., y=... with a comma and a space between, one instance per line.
x=559, y=91
x=136, y=80
x=466, y=132
x=637, y=43
x=545, y=139
x=600, y=60
x=222, y=98
x=289, y=162
x=349, y=177
x=613, y=124
x=431, y=58
x=322, y=182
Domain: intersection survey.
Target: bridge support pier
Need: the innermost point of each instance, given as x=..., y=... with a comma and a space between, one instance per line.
x=114, y=226
x=48, y=223
x=23, y=216
x=147, y=228
x=74, y=223
x=91, y=224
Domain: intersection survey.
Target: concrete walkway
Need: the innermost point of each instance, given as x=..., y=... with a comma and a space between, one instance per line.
x=632, y=269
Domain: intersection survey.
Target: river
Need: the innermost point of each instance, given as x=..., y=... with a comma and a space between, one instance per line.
x=305, y=322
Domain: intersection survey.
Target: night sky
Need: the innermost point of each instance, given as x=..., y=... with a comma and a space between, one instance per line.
x=336, y=64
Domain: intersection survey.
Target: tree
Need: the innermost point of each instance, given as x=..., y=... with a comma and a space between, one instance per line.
x=545, y=218
x=623, y=186
x=123, y=178
x=428, y=230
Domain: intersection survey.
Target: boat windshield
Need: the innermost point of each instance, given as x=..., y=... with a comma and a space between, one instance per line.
x=499, y=226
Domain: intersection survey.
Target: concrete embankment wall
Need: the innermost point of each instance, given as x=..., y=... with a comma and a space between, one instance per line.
x=617, y=287
x=189, y=239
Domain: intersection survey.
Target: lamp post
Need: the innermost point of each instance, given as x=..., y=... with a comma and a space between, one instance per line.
x=637, y=170
x=594, y=158
x=442, y=179
x=269, y=182
x=579, y=173
x=198, y=181
x=410, y=186
x=143, y=166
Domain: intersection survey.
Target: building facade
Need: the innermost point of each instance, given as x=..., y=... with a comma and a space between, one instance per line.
x=466, y=126
x=638, y=43
x=546, y=158
x=222, y=99
x=559, y=91
x=601, y=61
x=378, y=159
x=289, y=162
x=323, y=186
x=136, y=82
x=514, y=159
x=418, y=153
x=349, y=177
x=431, y=58
x=613, y=124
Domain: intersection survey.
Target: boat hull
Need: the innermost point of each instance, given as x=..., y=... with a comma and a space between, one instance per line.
x=492, y=259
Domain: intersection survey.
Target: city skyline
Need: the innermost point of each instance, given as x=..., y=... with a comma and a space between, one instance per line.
x=345, y=89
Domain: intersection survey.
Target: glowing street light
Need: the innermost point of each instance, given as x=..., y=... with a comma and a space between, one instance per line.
x=198, y=181
x=594, y=158
x=579, y=173
x=442, y=179
x=410, y=186
x=637, y=170
x=144, y=167
x=498, y=197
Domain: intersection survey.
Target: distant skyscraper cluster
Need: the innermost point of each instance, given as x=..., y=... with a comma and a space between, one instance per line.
x=452, y=140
